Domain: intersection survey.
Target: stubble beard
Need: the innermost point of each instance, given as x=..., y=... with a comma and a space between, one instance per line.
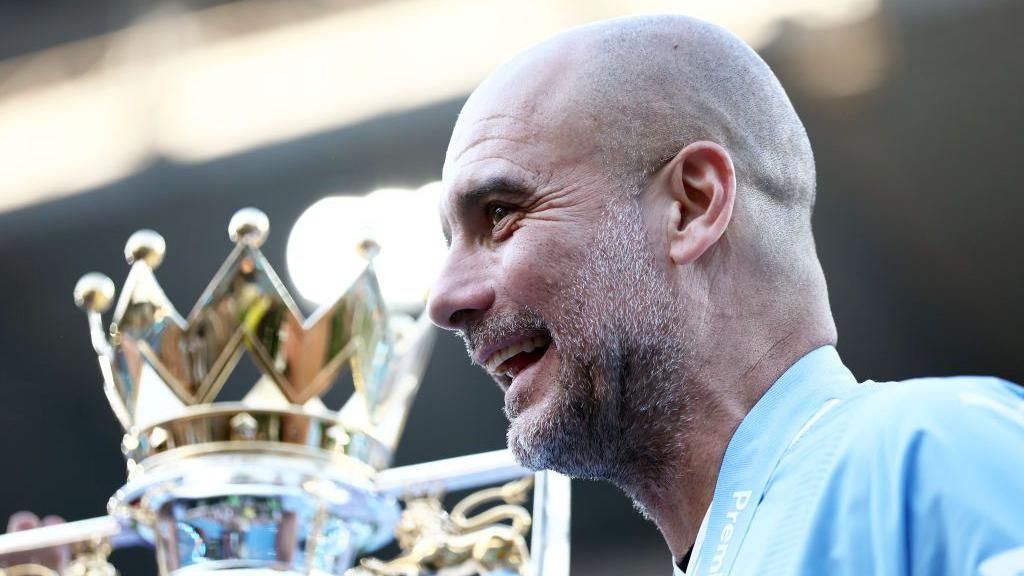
x=617, y=407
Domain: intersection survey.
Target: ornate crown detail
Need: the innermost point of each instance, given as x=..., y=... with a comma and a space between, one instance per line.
x=163, y=372
x=276, y=481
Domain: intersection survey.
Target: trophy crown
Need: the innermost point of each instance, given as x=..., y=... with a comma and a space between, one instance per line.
x=163, y=372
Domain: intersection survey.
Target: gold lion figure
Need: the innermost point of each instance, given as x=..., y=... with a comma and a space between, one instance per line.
x=433, y=540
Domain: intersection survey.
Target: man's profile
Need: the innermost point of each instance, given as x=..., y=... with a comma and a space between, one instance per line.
x=628, y=208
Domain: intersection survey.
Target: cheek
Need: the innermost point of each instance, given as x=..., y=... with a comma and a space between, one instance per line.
x=536, y=267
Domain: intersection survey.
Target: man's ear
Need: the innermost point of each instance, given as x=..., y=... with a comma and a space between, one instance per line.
x=702, y=183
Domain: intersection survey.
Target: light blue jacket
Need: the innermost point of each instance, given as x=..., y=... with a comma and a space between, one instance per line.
x=828, y=477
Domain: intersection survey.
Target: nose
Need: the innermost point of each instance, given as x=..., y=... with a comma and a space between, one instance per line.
x=462, y=292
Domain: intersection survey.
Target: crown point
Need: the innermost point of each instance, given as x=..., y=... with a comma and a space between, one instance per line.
x=145, y=246
x=249, y=225
x=94, y=292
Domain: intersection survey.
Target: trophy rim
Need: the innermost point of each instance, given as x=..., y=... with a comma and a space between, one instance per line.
x=236, y=427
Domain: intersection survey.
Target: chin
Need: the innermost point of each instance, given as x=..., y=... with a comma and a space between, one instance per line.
x=531, y=437
x=542, y=438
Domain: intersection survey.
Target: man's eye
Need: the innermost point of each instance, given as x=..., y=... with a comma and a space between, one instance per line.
x=497, y=213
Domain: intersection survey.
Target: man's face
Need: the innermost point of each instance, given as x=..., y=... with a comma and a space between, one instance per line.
x=554, y=287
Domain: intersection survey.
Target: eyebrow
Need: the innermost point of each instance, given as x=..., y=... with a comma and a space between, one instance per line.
x=477, y=195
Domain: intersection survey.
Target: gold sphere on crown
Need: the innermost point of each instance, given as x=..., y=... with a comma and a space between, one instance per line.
x=368, y=248
x=249, y=225
x=145, y=246
x=94, y=292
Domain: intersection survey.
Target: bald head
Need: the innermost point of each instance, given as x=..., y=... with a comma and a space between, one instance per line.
x=676, y=80
x=624, y=96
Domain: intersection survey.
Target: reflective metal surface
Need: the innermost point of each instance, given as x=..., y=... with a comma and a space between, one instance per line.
x=244, y=531
x=157, y=364
x=552, y=507
x=235, y=427
x=459, y=473
x=277, y=482
x=153, y=350
x=205, y=477
x=473, y=538
x=286, y=512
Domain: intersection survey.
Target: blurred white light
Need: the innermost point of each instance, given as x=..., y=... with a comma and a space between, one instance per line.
x=67, y=139
x=323, y=256
x=322, y=252
x=848, y=62
x=219, y=81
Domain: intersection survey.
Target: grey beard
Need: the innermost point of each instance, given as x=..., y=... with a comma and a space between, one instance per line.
x=619, y=402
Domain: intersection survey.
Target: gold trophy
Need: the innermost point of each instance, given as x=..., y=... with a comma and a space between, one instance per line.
x=277, y=482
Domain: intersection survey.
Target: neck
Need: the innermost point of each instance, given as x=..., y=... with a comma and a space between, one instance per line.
x=726, y=388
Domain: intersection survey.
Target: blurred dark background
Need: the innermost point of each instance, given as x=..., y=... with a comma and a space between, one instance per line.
x=915, y=109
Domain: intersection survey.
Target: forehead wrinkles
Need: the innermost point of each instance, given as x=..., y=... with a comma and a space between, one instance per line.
x=498, y=147
x=524, y=133
x=500, y=127
x=540, y=141
x=500, y=134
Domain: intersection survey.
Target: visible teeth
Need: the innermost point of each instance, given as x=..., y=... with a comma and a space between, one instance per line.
x=504, y=354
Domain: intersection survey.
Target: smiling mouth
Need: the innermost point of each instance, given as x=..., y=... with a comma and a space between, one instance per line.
x=506, y=363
